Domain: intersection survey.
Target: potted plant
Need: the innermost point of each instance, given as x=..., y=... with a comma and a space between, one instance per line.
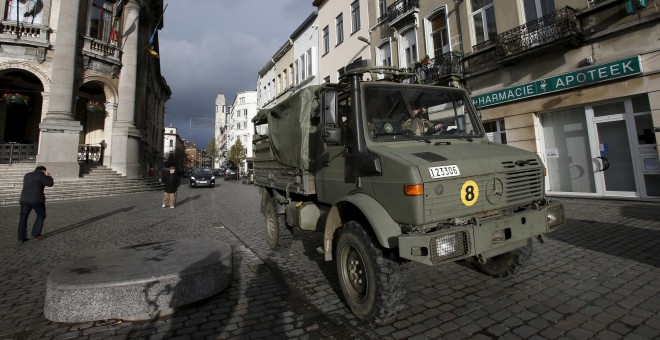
x=94, y=106
x=15, y=98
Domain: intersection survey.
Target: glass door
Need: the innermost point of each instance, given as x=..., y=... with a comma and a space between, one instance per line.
x=614, y=169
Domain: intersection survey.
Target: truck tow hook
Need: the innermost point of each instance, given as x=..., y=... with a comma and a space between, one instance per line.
x=540, y=239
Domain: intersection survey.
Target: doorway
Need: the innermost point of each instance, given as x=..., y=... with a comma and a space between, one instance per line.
x=602, y=150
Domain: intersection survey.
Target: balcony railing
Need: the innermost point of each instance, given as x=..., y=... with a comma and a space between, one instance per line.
x=28, y=33
x=89, y=152
x=101, y=50
x=437, y=69
x=400, y=8
x=11, y=153
x=549, y=28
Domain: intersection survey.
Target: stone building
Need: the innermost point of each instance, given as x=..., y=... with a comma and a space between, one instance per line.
x=576, y=81
x=90, y=73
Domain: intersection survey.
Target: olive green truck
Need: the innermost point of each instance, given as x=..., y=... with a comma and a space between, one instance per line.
x=336, y=159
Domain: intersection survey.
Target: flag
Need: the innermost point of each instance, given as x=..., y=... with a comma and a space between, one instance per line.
x=151, y=48
x=152, y=52
x=120, y=9
x=113, y=34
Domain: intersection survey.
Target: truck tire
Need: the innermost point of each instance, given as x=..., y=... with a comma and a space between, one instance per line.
x=507, y=264
x=277, y=233
x=372, y=284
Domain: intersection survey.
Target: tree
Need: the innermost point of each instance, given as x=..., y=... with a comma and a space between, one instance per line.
x=212, y=150
x=237, y=153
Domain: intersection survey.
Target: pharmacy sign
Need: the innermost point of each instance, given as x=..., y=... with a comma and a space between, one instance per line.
x=588, y=76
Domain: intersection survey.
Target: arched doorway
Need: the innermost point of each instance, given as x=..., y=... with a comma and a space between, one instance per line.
x=20, y=114
x=91, y=112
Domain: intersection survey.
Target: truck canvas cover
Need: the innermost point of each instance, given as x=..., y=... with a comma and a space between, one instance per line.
x=290, y=128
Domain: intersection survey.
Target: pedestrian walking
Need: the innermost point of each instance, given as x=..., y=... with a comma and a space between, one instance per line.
x=172, y=181
x=32, y=197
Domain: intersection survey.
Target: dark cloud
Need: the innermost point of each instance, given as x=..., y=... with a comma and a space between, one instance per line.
x=212, y=45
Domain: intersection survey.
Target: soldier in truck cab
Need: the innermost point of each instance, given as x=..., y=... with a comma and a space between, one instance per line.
x=418, y=122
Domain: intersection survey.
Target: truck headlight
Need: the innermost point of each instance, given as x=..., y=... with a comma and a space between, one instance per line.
x=555, y=215
x=450, y=246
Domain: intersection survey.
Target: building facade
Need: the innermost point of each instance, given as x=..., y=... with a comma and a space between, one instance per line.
x=343, y=28
x=220, y=132
x=239, y=122
x=575, y=81
x=89, y=79
x=173, y=148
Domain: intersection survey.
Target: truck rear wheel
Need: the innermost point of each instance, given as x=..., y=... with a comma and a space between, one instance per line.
x=278, y=235
x=507, y=264
x=372, y=284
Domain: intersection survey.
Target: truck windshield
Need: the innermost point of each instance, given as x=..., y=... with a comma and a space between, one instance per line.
x=394, y=111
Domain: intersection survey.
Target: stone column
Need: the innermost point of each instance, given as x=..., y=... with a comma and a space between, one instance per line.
x=58, y=143
x=125, y=136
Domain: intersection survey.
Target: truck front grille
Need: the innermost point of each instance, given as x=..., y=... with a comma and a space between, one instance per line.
x=442, y=199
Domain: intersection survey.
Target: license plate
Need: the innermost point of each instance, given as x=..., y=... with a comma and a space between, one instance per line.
x=202, y=182
x=444, y=171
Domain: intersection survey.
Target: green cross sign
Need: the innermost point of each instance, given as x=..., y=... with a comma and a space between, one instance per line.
x=588, y=76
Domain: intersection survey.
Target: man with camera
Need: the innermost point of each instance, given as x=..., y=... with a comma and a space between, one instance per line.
x=32, y=197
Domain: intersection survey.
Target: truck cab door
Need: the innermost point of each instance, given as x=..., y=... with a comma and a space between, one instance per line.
x=333, y=175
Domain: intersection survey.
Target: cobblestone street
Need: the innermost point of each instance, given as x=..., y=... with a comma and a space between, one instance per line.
x=598, y=276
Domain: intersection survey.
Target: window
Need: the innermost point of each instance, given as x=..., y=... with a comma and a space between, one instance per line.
x=303, y=70
x=340, y=28
x=326, y=79
x=309, y=62
x=535, y=9
x=26, y=12
x=382, y=10
x=495, y=131
x=101, y=21
x=241, y=100
x=355, y=16
x=384, y=55
x=439, y=35
x=171, y=143
x=296, y=70
x=409, y=48
x=285, y=80
x=483, y=18
x=326, y=40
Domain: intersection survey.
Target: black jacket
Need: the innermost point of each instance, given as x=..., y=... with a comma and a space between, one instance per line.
x=33, y=187
x=171, y=182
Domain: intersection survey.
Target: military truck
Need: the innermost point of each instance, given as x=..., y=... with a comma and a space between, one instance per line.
x=341, y=159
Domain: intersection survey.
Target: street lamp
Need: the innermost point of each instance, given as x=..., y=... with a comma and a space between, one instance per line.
x=363, y=39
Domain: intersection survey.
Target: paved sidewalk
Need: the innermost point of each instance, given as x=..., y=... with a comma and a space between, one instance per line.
x=596, y=277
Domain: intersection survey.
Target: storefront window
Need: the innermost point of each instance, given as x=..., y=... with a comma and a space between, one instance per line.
x=609, y=109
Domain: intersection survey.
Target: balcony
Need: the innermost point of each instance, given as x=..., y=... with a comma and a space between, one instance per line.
x=402, y=11
x=29, y=35
x=534, y=36
x=439, y=69
x=100, y=54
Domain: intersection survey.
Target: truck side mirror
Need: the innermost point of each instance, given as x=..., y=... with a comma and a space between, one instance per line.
x=329, y=108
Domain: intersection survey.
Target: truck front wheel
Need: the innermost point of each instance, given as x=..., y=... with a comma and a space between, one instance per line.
x=278, y=235
x=507, y=264
x=372, y=283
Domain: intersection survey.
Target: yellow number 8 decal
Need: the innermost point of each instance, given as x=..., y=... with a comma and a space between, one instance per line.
x=469, y=193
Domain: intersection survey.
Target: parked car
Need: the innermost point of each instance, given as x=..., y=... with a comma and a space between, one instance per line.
x=187, y=172
x=202, y=177
x=218, y=172
x=248, y=177
x=231, y=174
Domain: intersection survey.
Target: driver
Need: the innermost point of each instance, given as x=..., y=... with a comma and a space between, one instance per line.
x=418, y=124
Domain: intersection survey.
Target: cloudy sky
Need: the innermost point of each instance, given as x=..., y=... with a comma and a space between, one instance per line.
x=211, y=45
